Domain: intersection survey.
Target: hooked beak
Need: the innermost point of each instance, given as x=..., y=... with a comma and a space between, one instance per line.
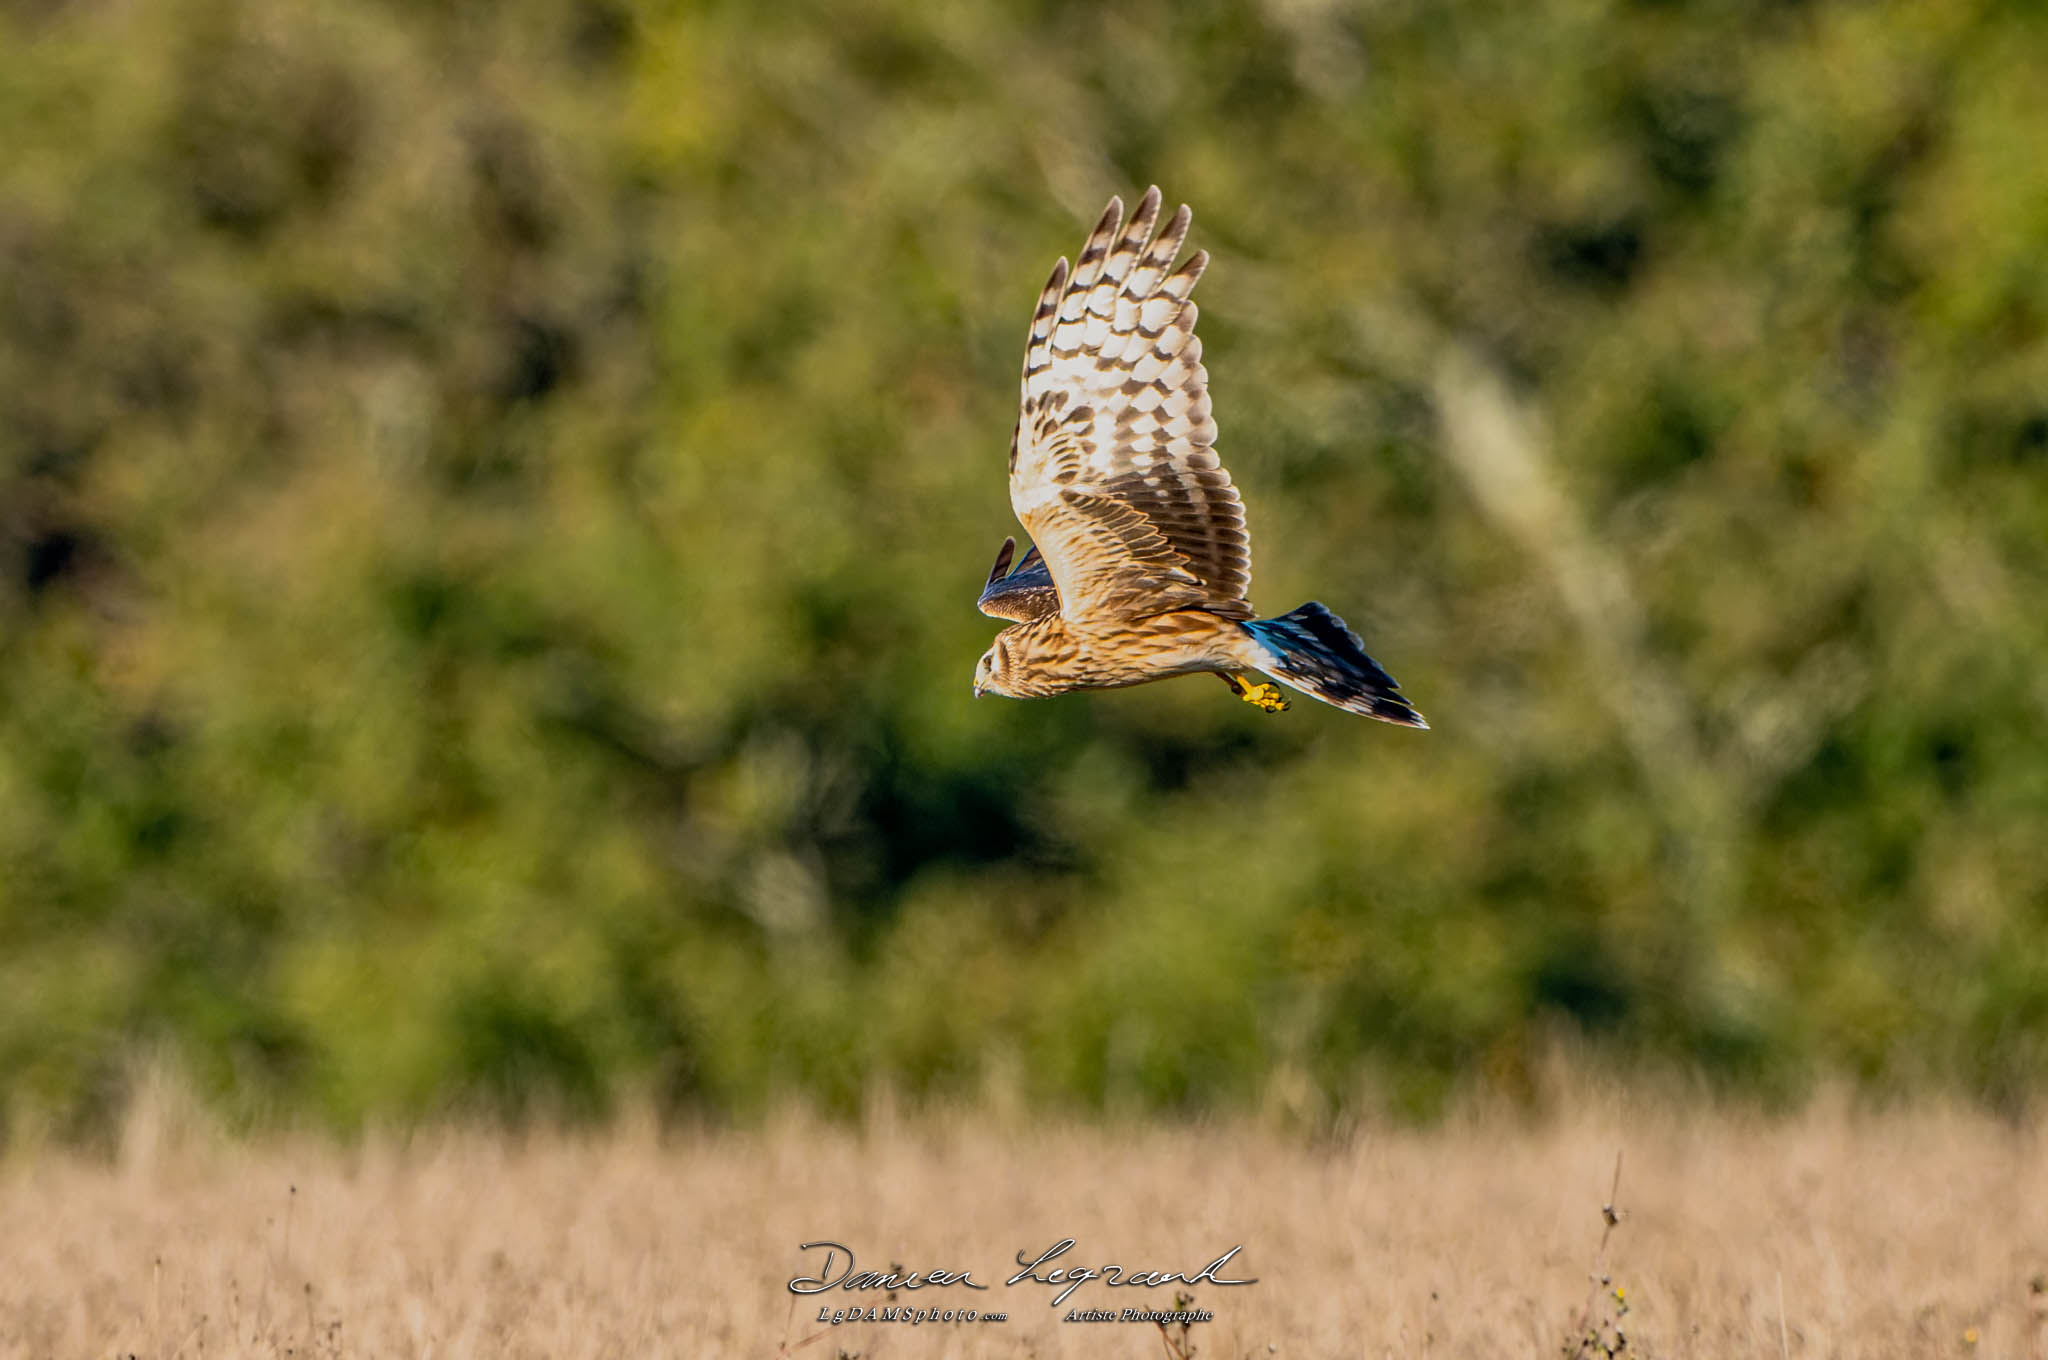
x=977, y=689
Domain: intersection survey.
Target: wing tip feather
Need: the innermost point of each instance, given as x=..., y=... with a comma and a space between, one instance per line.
x=1003, y=553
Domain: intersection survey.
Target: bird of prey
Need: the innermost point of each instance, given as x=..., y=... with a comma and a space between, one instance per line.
x=1140, y=560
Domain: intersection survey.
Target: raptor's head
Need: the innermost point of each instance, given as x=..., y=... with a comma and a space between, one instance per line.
x=992, y=674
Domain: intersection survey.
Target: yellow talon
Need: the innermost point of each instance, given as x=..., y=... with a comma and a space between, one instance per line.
x=1267, y=697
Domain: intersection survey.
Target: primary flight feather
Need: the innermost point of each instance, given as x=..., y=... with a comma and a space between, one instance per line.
x=1140, y=559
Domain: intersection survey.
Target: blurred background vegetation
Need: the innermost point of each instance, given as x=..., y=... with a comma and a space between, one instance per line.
x=491, y=499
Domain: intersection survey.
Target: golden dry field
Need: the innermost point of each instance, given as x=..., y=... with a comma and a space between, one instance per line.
x=1835, y=1232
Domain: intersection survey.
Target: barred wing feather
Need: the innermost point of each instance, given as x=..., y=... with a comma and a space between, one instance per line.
x=1112, y=468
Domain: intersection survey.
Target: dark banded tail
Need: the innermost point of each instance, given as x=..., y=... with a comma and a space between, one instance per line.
x=1311, y=650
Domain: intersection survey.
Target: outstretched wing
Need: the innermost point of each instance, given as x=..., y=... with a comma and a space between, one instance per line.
x=1022, y=595
x=1112, y=468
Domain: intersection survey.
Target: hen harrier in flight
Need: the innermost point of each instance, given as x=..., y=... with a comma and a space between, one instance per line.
x=1141, y=560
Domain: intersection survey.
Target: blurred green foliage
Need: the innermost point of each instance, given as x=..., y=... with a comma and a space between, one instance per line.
x=491, y=499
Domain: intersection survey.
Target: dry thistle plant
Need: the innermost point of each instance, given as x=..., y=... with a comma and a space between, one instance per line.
x=787, y=1349
x=1598, y=1329
x=1178, y=1347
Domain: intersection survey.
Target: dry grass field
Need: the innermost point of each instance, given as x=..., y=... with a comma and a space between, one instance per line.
x=1920, y=1232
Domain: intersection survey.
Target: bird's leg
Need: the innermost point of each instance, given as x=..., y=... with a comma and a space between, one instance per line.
x=1266, y=696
